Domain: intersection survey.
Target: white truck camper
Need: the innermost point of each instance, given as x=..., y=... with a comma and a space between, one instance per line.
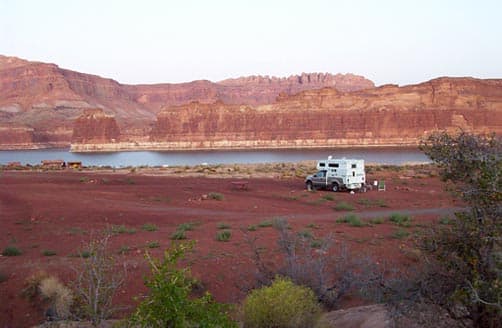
x=338, y=174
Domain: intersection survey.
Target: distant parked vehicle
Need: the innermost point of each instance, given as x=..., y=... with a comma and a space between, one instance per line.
x=338, y=174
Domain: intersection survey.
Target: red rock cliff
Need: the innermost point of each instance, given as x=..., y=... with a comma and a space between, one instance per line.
x=95, y=127
x=47, y=99
x=387, y=115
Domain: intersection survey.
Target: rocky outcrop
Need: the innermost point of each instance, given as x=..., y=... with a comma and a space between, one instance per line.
x=95, y=127
x=46, y=98
x=384, y=116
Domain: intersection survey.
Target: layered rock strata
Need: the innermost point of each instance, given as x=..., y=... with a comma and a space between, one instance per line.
x=384, y=116
x=47, y=99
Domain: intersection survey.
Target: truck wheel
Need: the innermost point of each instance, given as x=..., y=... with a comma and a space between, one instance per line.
x=335, y=187
x=310, y=187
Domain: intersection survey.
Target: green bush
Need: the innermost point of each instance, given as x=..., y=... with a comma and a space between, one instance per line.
x=179, y=235
x=153, y=244
x=149, y=227
x=252, y=227
x=265, y=224
x=352, y=220
x=186, y=226
x=283, y=304
x=305, y=234
x=400, y=234
x=11, y=251
x=120, y=229
x=223, y=235
x=402, y=220
x=169, y=303
x=343, y=206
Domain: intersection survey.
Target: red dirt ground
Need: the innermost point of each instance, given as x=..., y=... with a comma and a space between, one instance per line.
x=59, y=211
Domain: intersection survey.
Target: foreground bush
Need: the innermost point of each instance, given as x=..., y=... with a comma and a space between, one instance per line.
x=170, y=303
x=283, y=304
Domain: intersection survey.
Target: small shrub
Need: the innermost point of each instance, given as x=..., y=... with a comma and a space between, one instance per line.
x=120, y=229
x=352, y=220
x=265, y=224
x=445, y=220
x=149, y=227
x=153, y=244
x=223, y=225
x=328, y=197
x=84, y=179
x=179, y=235
x=252, y=227
x=48, y=252
x=85, y=254
x=187, y=226
x=344, y=206
x=402, y=220
x=283, y=304
x=59, y=296
x=372, y=202
x=305, y=234
x=376, y=220
x=215, y=196
x=223, y=235
x=11, y=251
x=313, y=226
x=316, y=243
x=124, y=249
x=400, y=234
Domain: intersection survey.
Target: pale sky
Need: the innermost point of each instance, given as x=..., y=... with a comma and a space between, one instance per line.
x=147, y=41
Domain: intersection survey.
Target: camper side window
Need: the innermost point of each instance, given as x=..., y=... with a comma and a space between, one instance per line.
x=353, y=166
x=322, y=164
x=333, y=164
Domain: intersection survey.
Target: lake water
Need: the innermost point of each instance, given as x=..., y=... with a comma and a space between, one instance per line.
x=394, y=156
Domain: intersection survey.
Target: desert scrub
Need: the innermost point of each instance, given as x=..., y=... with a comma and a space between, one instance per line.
x=223, y=225
x=11, y=251
x=376, y=220
x=179, y=234
x=343, y=206
x=400, y=234
x=306, y=234
x=186, y=226
x=215, y=196
x=59, y=296
x=252, y=227
x=153, y=244
x=282, y=304
x=402, y=220
x=328, y=197
x=265, y=224
x=149, y=227
x=223, y=235
x=351, y=219
x=372, y=202
x=170, y=302
x=48, y=252
x=120, y=229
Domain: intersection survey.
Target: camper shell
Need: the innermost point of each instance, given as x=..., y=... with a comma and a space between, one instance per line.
x=338, y=174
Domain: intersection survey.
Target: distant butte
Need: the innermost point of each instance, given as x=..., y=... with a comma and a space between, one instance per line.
x=43, y=106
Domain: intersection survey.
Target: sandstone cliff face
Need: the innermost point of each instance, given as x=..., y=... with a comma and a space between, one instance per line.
x=95, y=127
x=387, y=115
x=46, y=98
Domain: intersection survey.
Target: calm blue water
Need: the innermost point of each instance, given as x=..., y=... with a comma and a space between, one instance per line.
x=174, y=158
